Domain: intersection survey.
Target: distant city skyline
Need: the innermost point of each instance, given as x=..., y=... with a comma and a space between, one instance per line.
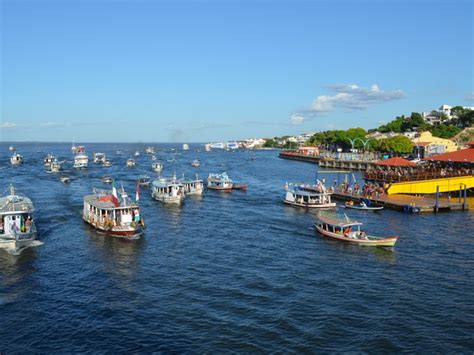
x=203, y=71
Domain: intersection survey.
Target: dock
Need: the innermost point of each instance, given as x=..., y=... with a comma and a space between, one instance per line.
x=300, y=157
x=407, y=203
x=345, y=164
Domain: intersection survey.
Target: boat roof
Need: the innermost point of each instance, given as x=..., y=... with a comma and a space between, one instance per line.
x=163, y=182
x=190, y=181
x=15, y=203
x=338, y=221
x=102, y=199
x=306, y=192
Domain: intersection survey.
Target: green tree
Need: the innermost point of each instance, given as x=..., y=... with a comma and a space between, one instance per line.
x=445, y=131
x=397, y=144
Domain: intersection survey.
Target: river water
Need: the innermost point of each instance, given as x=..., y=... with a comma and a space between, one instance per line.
x=227, y=272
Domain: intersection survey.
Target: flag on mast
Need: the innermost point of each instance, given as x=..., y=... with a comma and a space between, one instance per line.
x=137, y=196
x=115, y=199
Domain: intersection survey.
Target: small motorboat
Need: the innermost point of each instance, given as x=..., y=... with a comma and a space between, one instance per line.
x=11, y=148
x=107, y=163
x=65, y=179
x=137, y=153
x=242, y=187
x=55, y=166
x=130, y=163
x=16, y=159
x=196, y=163
x=362, y=206
x=153, y=157
x=344, y=229
x=157, y=167
x=107, y=180
x=144, y=180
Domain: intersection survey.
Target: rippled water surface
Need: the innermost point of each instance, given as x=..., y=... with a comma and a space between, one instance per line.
x=227, y=272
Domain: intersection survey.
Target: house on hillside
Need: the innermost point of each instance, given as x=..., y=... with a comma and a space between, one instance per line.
x=426, y=145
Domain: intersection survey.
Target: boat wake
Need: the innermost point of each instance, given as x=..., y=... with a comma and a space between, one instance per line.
x=34, y=243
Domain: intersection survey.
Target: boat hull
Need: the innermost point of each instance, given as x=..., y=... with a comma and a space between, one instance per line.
x=223, y=189
x=383, y=242
x=15, y=243
x=305, y=205
x=122, y=231
x=364, y=208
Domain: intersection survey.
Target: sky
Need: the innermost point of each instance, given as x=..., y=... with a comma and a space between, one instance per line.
x=203, y=71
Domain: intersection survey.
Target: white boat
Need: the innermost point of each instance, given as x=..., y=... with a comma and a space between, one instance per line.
x=217, y=145
x=185, y=146
x=16, y=159
x=220, y=182
x=65, y=179
x=158, y=167
x=48, y=160
x=17, y=227
x=112, y=214
x=299, y=196
x=81, y=160
x=232, y=145
x=168, y=190
x=107, y=180
x=196, y=163
x=11, y=148
x=99, y=158
x=207, y=147
x=55, y=166
x=137, y=153
x=144, y=180
x=192, y=187
x=153, y=157
x=150, y=150
x=130, y=163
x=107, y=163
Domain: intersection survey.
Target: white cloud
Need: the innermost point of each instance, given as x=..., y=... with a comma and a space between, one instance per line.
x=297, y=119
x=353, y=97
x=7, y=125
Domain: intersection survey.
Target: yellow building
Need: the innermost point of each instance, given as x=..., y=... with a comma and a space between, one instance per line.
x=426, y=145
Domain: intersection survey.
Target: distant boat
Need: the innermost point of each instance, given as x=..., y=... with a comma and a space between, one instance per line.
x=137, y=153
x=130, y=163
x=207, y=147
x=107, y=163
x=16, y=159
x=65, y=179
x=107, y=180
x=144, y=180
x=157, y=167
x=217, y=145
x=185, y=147
x=11, y=148
x=48, y=160
x=193, y=186
x=153, y=157
x=150, y=150
x=232, y=145
x=220, y=182
x=99, y=158
x=344, y=229
x=196, y=163
x=55, y=166
x=81, y=160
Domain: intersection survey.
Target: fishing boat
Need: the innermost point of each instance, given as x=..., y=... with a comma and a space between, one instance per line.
x=168, y=190
x=112, y=214
x=16, y=159
x=144, y=180
x=157, y=167
x=107, y=180
x=137, y=153
x=48, y=160
x=185, y=146
x=17, y=227
x=55, y=166
x=207, y=147
x=299, y=196
x=65, y=179
x=81, y=160
x=107, y=163
x=362, y=206
x=150, y=150
x=220, y=182
x=99, y=158
x=193, y=186
x=196, y=163
x=130, y=163
x=333, y=226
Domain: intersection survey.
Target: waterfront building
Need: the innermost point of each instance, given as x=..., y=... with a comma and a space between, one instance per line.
x=426, y=145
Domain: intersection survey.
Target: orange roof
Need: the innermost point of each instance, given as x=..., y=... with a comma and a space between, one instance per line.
x=459, y=156
x=395, y=161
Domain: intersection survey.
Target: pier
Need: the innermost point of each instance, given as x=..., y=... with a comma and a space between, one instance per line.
x=408, y=203
x=345, y=164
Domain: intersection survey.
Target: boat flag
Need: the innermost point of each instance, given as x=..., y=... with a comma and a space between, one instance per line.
x=115, y=199
x=137, y=197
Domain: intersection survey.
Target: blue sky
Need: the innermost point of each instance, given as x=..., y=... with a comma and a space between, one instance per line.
x=201, y=71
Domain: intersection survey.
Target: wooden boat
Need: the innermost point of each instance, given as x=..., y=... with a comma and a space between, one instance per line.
x=17, y=227
x=242, y=187
x=112, y=214
x=362, y=206
x=157, y=167
x=144, y=180
x=297, y=196
x=168, y=190
x=81, y=160
x=350, y=231
x=192, y=187
x=220, y=182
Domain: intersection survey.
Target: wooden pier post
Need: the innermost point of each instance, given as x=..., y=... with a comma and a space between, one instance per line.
x=465, y=197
